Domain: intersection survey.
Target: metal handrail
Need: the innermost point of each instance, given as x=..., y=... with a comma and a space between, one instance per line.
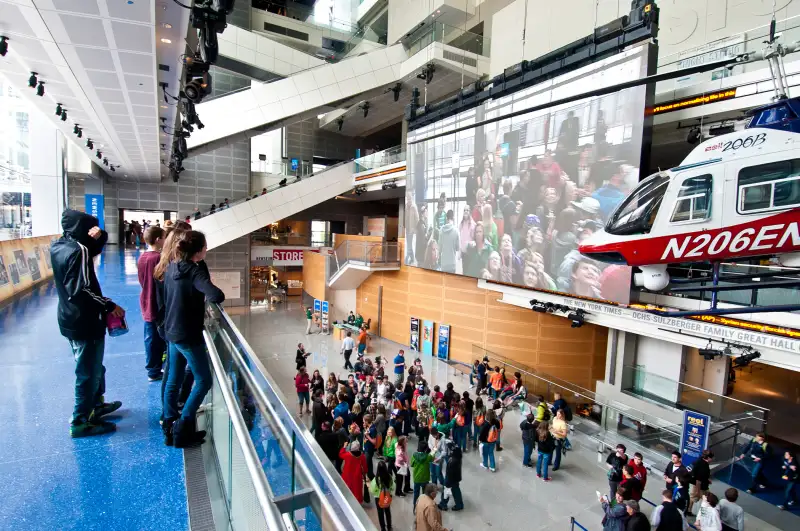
x=366, y=255
x=272, y=515
x=357, y=519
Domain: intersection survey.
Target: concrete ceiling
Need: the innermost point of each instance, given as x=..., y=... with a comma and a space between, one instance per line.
x=384, y=111
x=101, y=60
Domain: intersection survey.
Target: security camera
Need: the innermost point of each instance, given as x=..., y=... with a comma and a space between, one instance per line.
x=340, y=123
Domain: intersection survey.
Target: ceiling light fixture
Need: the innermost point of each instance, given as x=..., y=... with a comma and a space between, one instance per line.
x=3, y=46
x=99, y=154
x=59, y=109
x=89, y=143
x=40, y=89
x=76, y=128
x=64, y=115
x=80, y=133
x=33, y=80
x=166, y=41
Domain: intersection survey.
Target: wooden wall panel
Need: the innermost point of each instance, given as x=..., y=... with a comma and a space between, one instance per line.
x=314, y=281
x=23, y=264
x=338, y=239
x=542, y=342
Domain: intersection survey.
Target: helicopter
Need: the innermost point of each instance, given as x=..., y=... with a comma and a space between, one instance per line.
x=735, y=196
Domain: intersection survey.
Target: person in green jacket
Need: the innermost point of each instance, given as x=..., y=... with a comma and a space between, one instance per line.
x=309, y=320
x=444, y=427
x=359, y=321
x=542, y=413
x=421, y=469
x=389, y=446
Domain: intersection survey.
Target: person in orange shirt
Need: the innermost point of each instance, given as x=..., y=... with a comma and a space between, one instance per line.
x=362, y=342
x=497, y=381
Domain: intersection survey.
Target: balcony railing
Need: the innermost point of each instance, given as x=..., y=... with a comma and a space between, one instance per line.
x=388, y=156
x=363, y=253
x=451, y=36
x=271, y=468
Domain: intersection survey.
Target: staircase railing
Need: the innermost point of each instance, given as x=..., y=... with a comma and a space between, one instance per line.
x=362, y=253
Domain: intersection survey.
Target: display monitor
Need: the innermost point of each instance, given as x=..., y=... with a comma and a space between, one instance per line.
x=529, y=187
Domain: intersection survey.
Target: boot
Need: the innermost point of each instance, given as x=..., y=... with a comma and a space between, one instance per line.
x=184, y=433
x=167, y=427
x=199, y=436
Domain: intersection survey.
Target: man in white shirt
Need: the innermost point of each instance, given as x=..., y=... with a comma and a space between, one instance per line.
x=381, y=389
x=347, y=349
x=730, y=513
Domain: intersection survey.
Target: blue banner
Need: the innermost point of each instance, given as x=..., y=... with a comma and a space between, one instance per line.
x=317, y=305
x=427, y=337
x=694, y=438
x=95, y=207
x=444, y=342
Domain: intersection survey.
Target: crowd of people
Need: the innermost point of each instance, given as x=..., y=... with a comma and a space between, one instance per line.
x=390, y=434
x=524, y=225
x=175, y=284
x=133, y=231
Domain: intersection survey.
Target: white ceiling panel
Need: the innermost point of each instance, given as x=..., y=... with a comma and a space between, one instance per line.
x=99, y=58
x=133, y=37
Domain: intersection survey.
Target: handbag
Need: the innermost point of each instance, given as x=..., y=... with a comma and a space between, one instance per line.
x=366, y=493
x=385, y=499
x=402, y=470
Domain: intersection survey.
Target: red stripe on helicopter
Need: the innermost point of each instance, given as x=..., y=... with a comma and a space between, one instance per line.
x=769, y=235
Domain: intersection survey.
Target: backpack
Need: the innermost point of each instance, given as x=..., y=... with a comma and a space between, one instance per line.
x=479, y=420
x=385, y=499
x=492, y=437
x=460, y=420
x=414, y=403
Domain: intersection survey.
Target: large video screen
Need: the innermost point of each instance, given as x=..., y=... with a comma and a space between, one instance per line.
x=511, y=200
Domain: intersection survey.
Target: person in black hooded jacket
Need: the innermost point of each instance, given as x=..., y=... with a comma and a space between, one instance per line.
x=452, y=481
x=186, y=287
x=82, y=312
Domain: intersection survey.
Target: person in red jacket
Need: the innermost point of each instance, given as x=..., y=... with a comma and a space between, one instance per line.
x=354, y=468
x=639, y=471
x=154, y=346
x=301, y=384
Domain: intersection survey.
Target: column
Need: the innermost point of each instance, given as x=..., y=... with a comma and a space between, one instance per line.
x=48, y=159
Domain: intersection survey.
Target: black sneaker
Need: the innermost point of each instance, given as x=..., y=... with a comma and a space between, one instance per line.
x=88, y=429
x=156, y=378
x=105, y=408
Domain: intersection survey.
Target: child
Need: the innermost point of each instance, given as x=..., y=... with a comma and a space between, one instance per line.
x=301, y=385
x=401, y=462
x=708, y=516
x=390, y=449
x=759, y=451
x=789, y=474
x=421, y=469
x=154, y=346
x=478, y=419
x=452, y=481
x=730, y=513
x=680, y=492
x=381, y=488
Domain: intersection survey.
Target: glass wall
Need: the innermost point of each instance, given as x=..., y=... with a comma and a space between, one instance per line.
x=15, y=180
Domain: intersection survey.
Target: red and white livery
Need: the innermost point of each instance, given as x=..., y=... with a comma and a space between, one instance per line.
x=734, y=196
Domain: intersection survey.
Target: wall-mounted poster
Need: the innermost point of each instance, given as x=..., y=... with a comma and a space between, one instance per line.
x=33, y=265
x=229, y=282
x=3, y=272
x=46, y=252
x=22, y=264
x=427, y=337
x=443, y=352
x=413, y=343
x=14, y=272
x=694, y=438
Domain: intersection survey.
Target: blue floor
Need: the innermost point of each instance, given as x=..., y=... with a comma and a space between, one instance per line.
x=125, y=480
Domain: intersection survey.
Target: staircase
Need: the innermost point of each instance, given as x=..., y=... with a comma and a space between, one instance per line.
x=353, y=261
x=279, y=202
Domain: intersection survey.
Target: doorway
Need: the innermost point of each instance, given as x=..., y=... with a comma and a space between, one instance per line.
x=133, y=223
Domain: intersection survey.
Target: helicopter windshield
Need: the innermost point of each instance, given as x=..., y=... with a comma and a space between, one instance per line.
x=636, y=214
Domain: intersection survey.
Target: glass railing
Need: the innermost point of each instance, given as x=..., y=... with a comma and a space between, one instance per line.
x=679, y=395
x=451, y=36
x=268, y=459
x=606, y=421
x=289, y=180
x=380, y=159
x=701, y=275
x=362, y=253
x=748, y=41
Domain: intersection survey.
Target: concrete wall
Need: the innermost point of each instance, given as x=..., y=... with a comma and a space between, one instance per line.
x=684, y=24
x=662, y=362
x=305, y=140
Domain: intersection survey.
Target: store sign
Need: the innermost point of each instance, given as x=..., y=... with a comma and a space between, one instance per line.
x=694, y=438
x=279, y=256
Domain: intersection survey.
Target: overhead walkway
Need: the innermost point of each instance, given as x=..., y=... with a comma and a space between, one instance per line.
x=353, y=262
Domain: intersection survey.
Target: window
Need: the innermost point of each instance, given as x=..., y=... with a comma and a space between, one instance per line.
x=319, y=233
x=636, y=214
x=772, y=186
x=694, y=200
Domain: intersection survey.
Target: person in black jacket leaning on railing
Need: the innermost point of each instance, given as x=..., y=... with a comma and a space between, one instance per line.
x=186, y=288
x=82, y=312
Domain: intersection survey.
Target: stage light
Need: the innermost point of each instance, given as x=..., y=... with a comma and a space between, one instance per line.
x=80, y=133
x=64, y=115
x=282, y=182
x=694, y=136
x=365, y=108
x=33, y=80
x=745, y=359
x=577, y=318
x=710, y=353
x=113, y=168
x=3, y=46
x=76, y=128
x=59, y=109
x=40, y=89
x=105, y=161
x=99, y=154
x=340, y=123
x=89, y=143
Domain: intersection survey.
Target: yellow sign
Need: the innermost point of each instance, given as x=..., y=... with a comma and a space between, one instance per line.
x=693, y=101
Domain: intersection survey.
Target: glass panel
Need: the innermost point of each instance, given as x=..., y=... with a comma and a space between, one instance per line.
x=778, y=174
x=755, y=197
x=787, y=193
x=638, y=211
x=696, y=194
x=683, y=210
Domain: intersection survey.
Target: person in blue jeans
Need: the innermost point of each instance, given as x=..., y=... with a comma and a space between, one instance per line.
x=473, y=373
x=528, y=428
x=82, y=313
x=758, y=450
x=420, y=469
x=490, y=432
x=441, y=452
x=187, y=286
x=546, y=444
x=789, y=474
